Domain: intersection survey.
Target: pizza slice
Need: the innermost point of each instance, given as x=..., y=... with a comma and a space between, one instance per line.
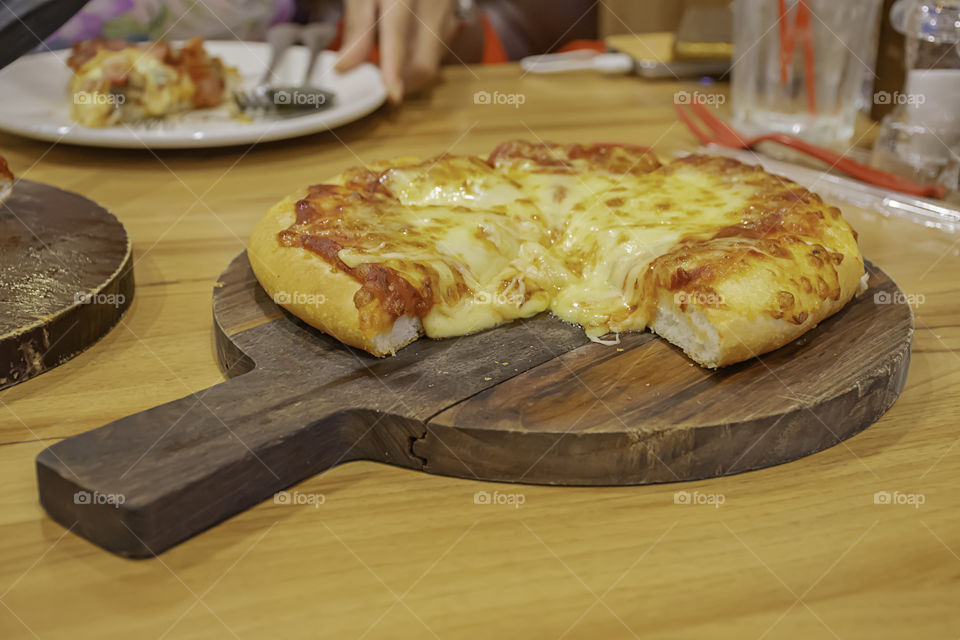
x=722, y=259
x=6, y=180
x=773, y=269
x=377, y=267
x=115, y=82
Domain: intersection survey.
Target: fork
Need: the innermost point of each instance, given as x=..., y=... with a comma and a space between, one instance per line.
x=726, y=136
x=263, y=97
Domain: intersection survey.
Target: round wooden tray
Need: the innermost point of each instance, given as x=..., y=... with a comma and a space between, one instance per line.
x=532, y=401
x=66, y=277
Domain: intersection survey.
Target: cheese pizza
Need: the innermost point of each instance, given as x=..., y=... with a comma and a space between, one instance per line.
x=722, y=259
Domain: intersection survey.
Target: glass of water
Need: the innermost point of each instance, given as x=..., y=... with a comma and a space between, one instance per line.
x=802, y=66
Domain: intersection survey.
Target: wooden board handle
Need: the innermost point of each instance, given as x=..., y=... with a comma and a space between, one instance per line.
x=143, y=483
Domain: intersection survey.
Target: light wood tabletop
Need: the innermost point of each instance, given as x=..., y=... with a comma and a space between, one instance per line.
x=799, y=550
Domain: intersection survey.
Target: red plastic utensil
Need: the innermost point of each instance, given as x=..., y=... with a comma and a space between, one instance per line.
x=724, y=135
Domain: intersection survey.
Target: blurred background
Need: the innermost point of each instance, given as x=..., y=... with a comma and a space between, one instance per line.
x=815, y=69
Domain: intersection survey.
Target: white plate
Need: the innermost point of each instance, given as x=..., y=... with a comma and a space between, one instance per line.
x=36, y=102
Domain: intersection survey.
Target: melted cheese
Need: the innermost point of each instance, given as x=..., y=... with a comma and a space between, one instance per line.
x=607, y=247
x=524, y=238
x=144, y=81
x=152, y=89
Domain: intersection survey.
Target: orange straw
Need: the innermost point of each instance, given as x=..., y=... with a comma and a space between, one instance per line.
x=788, y=43
x=786, y=37
x=809, y=71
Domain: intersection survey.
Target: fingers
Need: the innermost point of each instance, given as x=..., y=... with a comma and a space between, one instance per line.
x=360, y=17
x=412, y=35
x=430, y=29
x=394, y=27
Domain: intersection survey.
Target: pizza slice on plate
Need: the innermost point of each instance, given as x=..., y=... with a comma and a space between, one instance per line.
x=115, y=82
x=722, y=259
x=6, y=181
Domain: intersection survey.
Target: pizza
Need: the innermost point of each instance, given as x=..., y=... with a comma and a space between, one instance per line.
x=720, y=258
x=115, y=82
x=6, y=180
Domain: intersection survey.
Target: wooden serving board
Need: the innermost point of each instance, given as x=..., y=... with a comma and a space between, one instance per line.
x=532, y=401
x=66, y=277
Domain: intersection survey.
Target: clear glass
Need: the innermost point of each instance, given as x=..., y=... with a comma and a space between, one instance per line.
x=920, y=138
x=800, y=66
x=917, y=151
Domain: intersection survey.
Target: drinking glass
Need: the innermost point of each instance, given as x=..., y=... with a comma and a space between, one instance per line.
x=801, y=66
x=920, y=138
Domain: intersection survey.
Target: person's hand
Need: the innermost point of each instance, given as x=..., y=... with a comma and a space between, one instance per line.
x=412, y=36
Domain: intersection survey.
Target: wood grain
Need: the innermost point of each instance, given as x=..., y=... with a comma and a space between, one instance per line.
x=498, y=405
x=641, y=414
x=809, y=529
x=66, y=278
x=309, y=404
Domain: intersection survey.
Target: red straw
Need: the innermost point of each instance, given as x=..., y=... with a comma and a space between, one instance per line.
x=786, y=46
x=788, y=43
x=809, y=71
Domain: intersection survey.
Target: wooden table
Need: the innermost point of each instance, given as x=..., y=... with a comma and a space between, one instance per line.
x=799, y=550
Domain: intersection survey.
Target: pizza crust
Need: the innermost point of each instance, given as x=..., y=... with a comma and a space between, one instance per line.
x=716, y=337
x=309, y=287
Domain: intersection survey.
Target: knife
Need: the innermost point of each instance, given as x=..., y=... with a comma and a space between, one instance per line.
x=616, y=63
x=26, y=23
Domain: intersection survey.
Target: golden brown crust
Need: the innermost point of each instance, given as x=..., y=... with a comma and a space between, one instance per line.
x=330, y=218
x=618, y=159
x=311, y=288
x=759, y=307
x=724, y=294
x=790, y=263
